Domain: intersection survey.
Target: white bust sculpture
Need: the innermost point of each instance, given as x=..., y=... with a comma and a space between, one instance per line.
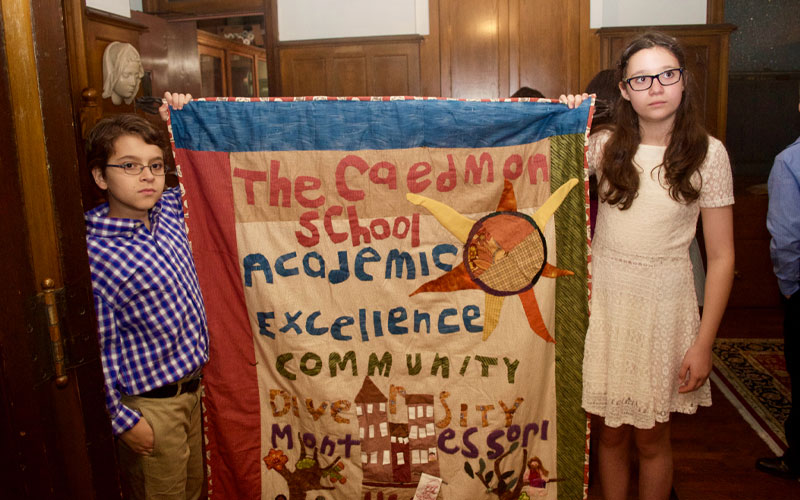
x=122, y=72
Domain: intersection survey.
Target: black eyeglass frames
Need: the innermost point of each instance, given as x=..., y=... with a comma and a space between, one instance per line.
x=665, y=78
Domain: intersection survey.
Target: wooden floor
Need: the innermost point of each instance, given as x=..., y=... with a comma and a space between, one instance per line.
x=715, y=450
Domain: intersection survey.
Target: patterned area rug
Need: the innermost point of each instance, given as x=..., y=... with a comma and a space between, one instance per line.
x=752, y=375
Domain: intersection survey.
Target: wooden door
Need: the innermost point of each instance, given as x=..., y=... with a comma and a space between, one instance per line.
x=55, y=435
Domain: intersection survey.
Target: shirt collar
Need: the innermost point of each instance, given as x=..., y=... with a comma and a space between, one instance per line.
x=99, y=224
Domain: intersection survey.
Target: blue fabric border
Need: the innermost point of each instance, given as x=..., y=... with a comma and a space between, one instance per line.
x=355, y=125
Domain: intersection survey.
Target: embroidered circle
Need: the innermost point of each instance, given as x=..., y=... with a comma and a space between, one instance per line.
x=505, y=253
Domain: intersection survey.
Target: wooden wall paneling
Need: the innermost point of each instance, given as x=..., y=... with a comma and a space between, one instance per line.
x=429, y=55
x=514, y=46
x=472, y=55
x=590, y=61
x=394, y=69
x=549, y=45
x=383, y=78
x=358, y=66
x=303, y=72
x=348, y=76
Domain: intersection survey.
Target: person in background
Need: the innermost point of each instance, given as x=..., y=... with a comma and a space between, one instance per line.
x=605, y=87
x=527, y=92
x=783, y=223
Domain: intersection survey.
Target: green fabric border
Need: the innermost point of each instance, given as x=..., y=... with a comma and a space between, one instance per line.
x=572, y=312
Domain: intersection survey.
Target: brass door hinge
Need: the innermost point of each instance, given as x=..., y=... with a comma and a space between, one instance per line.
x=59, y=364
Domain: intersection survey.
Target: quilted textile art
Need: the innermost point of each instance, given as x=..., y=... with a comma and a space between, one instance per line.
x=396, y=291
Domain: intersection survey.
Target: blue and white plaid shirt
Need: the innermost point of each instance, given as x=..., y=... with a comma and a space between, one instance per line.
x=151, y=319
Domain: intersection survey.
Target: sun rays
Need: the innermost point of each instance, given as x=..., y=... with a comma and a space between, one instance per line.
x=505, y=254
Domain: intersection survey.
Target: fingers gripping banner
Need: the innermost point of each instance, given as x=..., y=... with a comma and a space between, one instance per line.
x=397, y=294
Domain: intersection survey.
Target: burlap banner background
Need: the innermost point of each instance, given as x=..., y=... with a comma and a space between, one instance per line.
x=396, y=289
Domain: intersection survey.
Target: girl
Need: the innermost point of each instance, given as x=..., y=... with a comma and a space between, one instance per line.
x=647, y=352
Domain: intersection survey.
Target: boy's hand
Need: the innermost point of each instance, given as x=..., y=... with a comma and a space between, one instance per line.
x=175, y=100
x=573, y=100
x=139, y=438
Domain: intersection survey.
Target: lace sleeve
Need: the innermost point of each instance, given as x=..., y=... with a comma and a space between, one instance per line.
x=717, y=187
x=594, y=152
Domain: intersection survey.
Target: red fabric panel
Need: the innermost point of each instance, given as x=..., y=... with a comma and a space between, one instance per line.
x=231, y=420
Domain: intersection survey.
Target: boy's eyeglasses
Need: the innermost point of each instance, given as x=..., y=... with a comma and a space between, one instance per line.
x=133, y=168
x=665, y=78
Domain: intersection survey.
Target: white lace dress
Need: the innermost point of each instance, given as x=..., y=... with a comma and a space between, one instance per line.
x=644, y=313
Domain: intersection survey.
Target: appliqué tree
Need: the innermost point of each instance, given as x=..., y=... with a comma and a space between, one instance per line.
x=307, y=474
x=506, y=488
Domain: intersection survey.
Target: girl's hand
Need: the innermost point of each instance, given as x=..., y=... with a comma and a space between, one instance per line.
x=695, y=368
x=175, y=100
x=573, y=100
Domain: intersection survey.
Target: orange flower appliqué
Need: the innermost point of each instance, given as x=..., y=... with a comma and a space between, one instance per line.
x=275, y=459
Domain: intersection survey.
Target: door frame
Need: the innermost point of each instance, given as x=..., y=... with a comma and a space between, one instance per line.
x=56, y=436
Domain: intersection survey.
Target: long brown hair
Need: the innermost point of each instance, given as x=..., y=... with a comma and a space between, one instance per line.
x=688, y=142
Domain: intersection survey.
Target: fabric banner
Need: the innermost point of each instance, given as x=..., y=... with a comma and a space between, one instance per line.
x=396, y=291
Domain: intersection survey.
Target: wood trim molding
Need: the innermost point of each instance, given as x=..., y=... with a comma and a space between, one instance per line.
x=429, y=57
x=28, y=127
x=114, y=20
x=715, y=12
x=361, y=40
x=271, y=36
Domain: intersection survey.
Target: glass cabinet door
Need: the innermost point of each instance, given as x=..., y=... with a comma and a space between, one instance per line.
x=212, y=71
x=242, y=75
x=263, y=82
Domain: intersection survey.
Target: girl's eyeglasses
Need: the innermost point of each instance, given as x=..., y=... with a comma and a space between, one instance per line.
x=133, y=168
x=665, y=78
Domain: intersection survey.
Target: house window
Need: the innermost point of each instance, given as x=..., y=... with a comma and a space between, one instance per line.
x=384, y=429
x=387, y=457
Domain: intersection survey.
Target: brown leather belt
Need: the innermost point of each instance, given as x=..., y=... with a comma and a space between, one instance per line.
x=172, y=390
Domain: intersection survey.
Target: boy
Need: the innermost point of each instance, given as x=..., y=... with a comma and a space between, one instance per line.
x=783, y=223
x=150, y=315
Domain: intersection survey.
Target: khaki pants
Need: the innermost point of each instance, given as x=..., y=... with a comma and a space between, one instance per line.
x=174, y=471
